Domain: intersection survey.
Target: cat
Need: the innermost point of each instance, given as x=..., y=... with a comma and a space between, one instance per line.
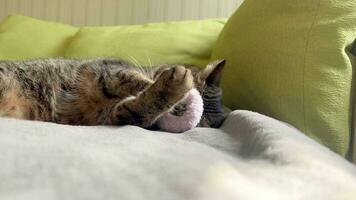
x=105, y=91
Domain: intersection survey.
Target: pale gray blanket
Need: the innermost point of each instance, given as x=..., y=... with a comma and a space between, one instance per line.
x=251, y=157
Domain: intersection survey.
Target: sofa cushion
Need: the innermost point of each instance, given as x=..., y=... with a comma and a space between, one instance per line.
x=289, y=59
x=188, y=42
x=27, y=38
x=251, y=157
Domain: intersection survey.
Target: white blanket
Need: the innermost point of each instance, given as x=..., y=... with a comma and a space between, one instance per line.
x=251, y=157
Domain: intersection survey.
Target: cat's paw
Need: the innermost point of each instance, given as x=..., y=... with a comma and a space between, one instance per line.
x=177, y=79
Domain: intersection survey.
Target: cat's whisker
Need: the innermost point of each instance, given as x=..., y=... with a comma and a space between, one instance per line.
x=144, y=70
x=138, y=65
x=133, y=61
x=150, y=70
x=149, y=60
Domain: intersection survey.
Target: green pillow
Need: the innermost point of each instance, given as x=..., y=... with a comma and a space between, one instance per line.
x=187, y=42
x=27, y=38
x=289, y=59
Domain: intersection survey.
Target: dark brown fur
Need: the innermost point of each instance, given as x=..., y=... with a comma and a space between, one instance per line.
x=104, y=91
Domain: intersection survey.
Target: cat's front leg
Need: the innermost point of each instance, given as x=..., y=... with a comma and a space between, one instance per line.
x=144, y=109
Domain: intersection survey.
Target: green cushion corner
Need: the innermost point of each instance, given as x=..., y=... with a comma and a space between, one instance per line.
x=287, y=59
x=24, y=37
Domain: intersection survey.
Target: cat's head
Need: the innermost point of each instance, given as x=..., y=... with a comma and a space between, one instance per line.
x=209, y=78
x=207, y=82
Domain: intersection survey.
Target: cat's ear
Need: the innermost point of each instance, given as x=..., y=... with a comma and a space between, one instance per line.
x=212, y=73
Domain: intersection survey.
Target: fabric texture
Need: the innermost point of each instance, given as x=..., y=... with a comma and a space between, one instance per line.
x=187, y=42
x=24, y=38
x=290, y=60
x=251, y=157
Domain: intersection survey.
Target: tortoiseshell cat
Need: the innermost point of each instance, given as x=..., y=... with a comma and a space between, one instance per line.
x=105, y=91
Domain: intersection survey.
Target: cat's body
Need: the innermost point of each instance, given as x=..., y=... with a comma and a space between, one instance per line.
x=102, y=91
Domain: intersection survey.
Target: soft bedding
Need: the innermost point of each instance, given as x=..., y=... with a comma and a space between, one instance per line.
x=251, y=157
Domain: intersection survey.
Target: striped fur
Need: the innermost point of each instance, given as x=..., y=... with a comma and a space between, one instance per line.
x=104, y=91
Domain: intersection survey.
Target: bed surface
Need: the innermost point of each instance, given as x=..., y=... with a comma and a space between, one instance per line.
x=251, y=157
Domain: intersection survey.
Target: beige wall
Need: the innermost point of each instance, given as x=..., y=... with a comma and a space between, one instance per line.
x=111, y=12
